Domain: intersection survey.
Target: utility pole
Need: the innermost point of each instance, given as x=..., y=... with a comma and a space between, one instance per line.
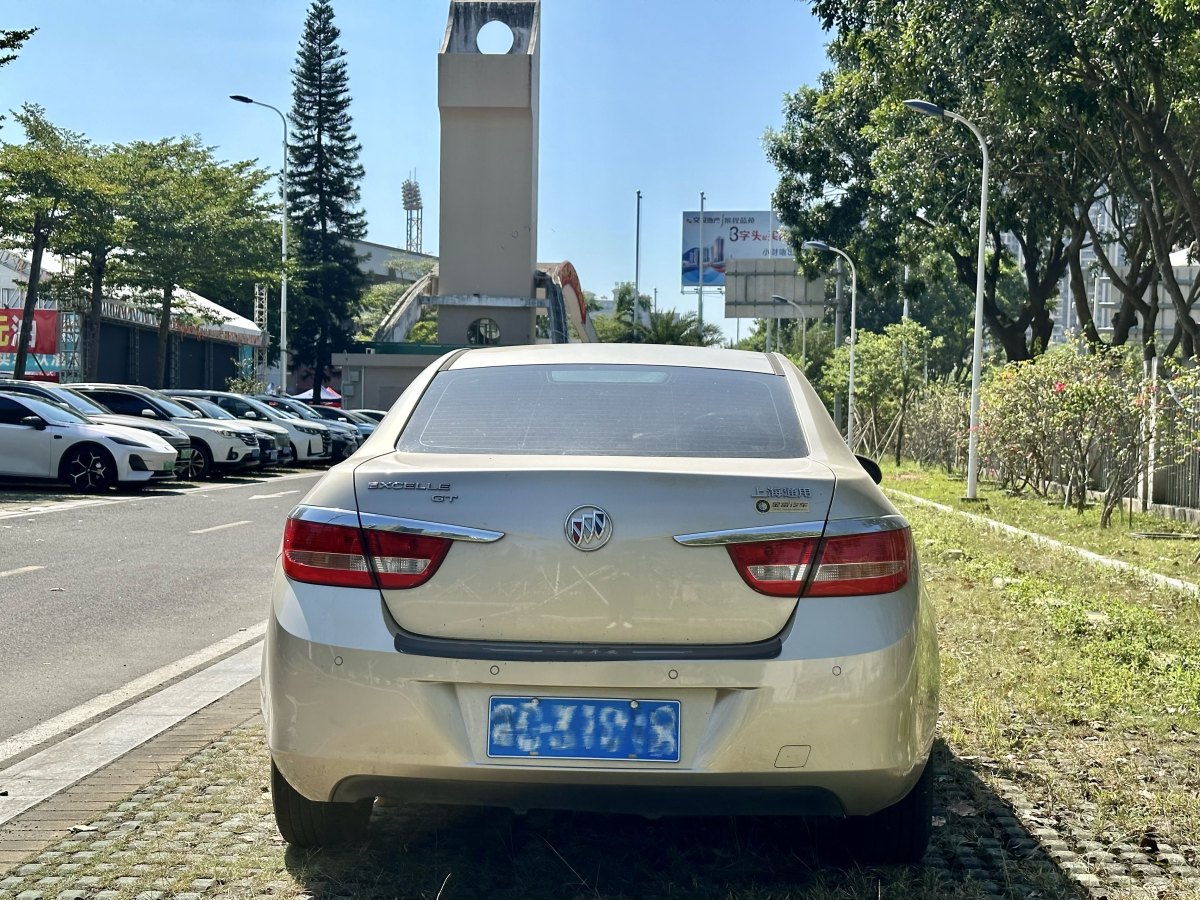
x=838, y=305
x=637, y=269
x=700, y=270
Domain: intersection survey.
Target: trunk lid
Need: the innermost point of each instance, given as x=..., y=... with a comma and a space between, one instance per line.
x=640, y=587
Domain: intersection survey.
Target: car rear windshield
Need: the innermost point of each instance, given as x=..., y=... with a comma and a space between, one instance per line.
x=606, y=410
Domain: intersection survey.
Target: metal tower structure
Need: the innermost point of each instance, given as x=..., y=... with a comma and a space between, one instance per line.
x=260, y=319
x=410, y=192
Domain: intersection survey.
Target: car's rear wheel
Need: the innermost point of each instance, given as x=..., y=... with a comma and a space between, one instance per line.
x=312, y=823
x=88, y=468
x=198, y=466
x=899, y=834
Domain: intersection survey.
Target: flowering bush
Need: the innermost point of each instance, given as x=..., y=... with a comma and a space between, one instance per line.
x=1076, y=421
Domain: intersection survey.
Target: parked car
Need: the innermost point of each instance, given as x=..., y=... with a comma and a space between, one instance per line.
x=640, y=579
x=345, y=436
x=310, y=441
x=364, y=426
x=274, y=442
x=42, y=440
x=375, y=415
x=218, y=447
x=57, y=393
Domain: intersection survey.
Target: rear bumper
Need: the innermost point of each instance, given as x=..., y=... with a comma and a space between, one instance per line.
x=837, y=733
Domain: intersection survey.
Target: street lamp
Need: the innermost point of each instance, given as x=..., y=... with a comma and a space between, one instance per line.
x=803, y=327
x=929, y=109
x=825, y=248
x=283, y=333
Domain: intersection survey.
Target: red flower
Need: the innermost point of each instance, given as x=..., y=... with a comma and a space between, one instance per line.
x=1059, y=387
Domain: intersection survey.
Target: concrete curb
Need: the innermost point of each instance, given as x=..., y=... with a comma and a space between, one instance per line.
x=1177, y=584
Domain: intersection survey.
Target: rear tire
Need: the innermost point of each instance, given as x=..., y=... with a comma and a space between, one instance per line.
x=312, y=823
x=898, y=835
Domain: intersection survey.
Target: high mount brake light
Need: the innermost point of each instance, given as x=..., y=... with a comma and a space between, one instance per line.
x=876, y=562
x=318, y=553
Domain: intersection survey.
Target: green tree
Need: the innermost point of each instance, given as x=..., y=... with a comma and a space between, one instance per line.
x=11, y=42
x=1076, y=99
x=670, y=327
x=41, y=181
x=100, y=226
x=323, y=196
x=620, y=327
x=191, y=216
x=889, y=374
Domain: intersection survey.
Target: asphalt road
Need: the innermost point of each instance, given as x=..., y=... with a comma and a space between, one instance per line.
x=96, y=594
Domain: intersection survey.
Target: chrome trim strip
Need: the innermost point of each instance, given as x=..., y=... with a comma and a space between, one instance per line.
x=867, y=525
x=833, y=528
x=330, y=516
x=324, y=515
x=749, y=535
x=373, y=522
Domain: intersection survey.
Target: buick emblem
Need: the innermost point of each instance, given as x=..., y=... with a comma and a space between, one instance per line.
x=588, y=528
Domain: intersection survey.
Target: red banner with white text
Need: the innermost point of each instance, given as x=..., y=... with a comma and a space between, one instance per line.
x=43, y=338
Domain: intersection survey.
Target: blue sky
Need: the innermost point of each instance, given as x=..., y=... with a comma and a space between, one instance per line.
x=670, y=97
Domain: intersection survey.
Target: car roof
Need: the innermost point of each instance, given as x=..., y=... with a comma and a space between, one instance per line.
x=101, y=386
x=615, y=354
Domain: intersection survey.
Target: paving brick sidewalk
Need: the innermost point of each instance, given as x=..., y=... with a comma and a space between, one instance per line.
x=54, y=819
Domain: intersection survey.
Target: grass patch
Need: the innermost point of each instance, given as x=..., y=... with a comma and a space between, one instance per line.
x=1080, y=683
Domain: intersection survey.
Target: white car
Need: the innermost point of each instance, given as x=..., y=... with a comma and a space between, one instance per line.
x=46, y=440
x=218, y=446
x=310, y=441
x=629, y=578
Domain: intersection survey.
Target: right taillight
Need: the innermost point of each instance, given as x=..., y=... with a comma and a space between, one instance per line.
x=877, y=562
x=322, y=553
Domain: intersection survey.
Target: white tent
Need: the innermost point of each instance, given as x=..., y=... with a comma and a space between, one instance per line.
x=327, y=393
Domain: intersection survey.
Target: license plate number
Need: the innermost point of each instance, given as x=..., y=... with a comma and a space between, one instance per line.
x=583, y=728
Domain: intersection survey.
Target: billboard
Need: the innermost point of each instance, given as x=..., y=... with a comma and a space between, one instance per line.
x=43, y=337
x=723, y=236
x=771, y=289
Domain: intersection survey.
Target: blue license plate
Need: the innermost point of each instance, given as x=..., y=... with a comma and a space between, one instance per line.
x=583, y=728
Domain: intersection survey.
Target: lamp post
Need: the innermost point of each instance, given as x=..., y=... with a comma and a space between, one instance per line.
x=803, y=327
x=283, y=333
x=825, y=248
x=929, y=109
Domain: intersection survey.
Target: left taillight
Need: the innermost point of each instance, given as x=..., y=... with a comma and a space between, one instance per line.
x=337, y=555
x=405, y=560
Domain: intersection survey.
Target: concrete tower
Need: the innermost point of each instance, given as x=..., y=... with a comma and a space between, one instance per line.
x=489, y=167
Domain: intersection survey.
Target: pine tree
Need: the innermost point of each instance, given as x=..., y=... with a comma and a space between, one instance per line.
x=323, y=196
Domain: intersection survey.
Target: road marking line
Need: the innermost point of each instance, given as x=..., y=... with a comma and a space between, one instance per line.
x=270, y=496
x=20, y=571
x=51, y=728
x=222, y=527
x=49, y=771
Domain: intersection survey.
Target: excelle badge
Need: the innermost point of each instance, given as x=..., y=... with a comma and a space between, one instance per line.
x=781, y=499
